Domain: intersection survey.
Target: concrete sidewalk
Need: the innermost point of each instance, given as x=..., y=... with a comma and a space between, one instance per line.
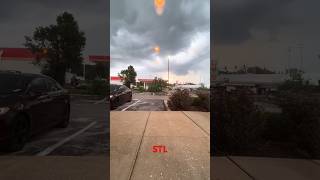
x=185, y=134
x=248, y=168
x=54, y=168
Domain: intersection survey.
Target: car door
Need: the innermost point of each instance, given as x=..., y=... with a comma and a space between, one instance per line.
x=127, y=93
x=122, y=92
x=59, y=101
x=39, y=103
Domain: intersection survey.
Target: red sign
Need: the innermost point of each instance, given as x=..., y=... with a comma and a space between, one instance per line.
x=159, y=149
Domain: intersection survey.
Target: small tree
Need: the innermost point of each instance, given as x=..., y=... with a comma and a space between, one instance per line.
x=157, y=85
x=58, y=47
x=128, y=76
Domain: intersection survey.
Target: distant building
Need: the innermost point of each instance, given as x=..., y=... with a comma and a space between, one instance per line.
x=18, y=59
x=187, y=86
x=257, y=83
x=115, y=80
x=146, y=82
x=22, y=59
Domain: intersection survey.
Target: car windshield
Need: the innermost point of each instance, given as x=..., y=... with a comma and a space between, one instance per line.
x=11, y=83
x=114, y=87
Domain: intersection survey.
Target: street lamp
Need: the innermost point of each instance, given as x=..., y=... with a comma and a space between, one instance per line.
x=168, y=70
x=159, y=6
x=156, y=49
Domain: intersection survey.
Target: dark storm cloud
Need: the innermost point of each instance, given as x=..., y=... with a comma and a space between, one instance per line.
x=171, y=31
x=259, y=33
x=136, y=28
x=234, y=21
x=14, y=9
x=19, y=18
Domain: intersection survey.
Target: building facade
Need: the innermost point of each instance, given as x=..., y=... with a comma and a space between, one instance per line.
x=23, y=60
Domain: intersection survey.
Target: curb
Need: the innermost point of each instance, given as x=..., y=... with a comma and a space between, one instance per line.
x=165, y=102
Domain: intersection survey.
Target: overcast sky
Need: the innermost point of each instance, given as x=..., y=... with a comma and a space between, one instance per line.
x=259, y=32
x=20, y=17
x=182, y=33
x=252, y=32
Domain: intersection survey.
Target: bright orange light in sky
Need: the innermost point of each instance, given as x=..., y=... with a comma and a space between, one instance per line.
x=156, y=49
x=159, y=6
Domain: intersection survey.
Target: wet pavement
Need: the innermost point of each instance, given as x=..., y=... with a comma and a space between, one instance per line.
x=143, y=104
x=186, y=136
x=87, y=133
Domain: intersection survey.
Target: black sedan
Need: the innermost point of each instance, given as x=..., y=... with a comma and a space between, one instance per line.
x=29, y=104
x=119, y=94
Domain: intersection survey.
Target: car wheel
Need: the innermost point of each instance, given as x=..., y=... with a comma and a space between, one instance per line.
x=66, y=119
x=130, y=98
x=116, y=102
x=19, y=134
x=111, y=105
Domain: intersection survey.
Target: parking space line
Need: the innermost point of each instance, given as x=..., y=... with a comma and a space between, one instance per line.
x=132, y=105
x=101, y=101
x=63, y=141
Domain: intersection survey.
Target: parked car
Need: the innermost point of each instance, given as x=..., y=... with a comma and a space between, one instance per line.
x=29, y=104
x=119, y=94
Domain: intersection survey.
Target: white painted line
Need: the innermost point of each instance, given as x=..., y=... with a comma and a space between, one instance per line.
x=101, y=101
x=132, y=105
x=55, y=146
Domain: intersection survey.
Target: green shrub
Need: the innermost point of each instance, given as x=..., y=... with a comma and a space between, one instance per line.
x=239, y=124
x=202, y=100
x=154, y=87
x=141, y=89
x=276, y=129
x=180, y=100
x=301, y=113
x=97, y=87
x=157, y=85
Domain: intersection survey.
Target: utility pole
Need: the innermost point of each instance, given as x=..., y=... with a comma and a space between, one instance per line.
x=168, y=71
x=84, y=71
x=289, y=59
x=300, y=46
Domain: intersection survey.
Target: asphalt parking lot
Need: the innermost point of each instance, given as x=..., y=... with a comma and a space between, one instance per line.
x=142, y=102
x=143, y=105
x=86, y=134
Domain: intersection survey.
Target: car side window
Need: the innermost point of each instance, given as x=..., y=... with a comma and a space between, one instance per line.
x=122, y=89
x=52, y=86
x=38, y=85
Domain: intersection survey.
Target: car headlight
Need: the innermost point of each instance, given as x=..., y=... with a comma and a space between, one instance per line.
x=4, y=110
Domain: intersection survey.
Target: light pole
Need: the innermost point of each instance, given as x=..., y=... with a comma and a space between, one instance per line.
x=84, y=70
x=300, y=46
x=289, y=59
x=168, y=70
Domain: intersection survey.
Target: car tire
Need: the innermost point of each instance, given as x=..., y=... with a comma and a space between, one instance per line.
x=111, y=106
x=130, y=98
x=66, y=119
x=19, y=135
x=116, y=102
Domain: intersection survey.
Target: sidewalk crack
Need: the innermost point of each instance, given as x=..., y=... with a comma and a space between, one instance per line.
x=241, y=168
x=139, y=147
x=196, y=123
